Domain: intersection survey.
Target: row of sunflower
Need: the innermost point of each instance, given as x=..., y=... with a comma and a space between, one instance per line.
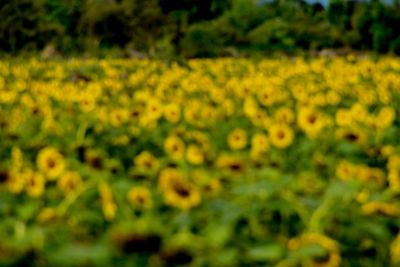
x=224, y=162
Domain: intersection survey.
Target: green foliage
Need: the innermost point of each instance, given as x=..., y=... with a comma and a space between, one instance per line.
x=272, y=34
x=201, y=40
x=197, y=28
x=24, y=25
x=395, y=46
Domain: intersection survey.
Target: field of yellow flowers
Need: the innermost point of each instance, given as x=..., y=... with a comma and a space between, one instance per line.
x=224, y=162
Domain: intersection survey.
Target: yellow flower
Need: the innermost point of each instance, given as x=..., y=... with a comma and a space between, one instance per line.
x=147, y=161
x=175, y=147
x=385, y=117
x=346, y=171
x=69, y=182
x=266, y=96
x=140, y=197
x=88, y=104
x=118, y=116
x=250, y=106
x=356, y=136
x=230, y=162
x=211, y=188
x=51, y=162
x=281, y=135
x=358, y=112
x=395, y=251
x=172, y=113
x=35, y=183
x=378, y=207
x=371, y=175
x=330, y=257
x=194, y=155
x=259, y=145
x=310, y=121
x=387, y=150
x=178, y=192
x=237, y=139
x=154, y=109
x=393, y=162
x=343, y=117
x=259, y=118
x=394, y=178
x=284, y=115
x=363, y=196
x=14, y=179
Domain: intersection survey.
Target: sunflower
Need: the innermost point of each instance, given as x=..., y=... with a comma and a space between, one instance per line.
x=237, y=139
x=88, y=104
x=118, y=116
x=259, y=118
x=362, y=196
x=233, y=163
x=395, y=251
x=250, y=106
x=15, y=180
x=192, y=112
x=172, y=113
x=394, y=178
x=385, y=117
x=69, y=182
x=343, y=117
x=140, y=198
x=266, y=96
x=346, y=170
x=259, y=145
x=310, y=121
x=355, y=136
x=35, y=183
x=154, y=109
x=358, y=112
x=51, y=162
x=211, y=188
x=284, y=115
x=175, y=147
x=178, y=192
x=329, y=256
x=281, y=135
x=371, y=175
x=379, y=207
x=145, y=160
x=194, y=155
x=260, y=142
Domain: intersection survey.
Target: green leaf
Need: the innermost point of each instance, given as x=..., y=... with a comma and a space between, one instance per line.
x=272, y=252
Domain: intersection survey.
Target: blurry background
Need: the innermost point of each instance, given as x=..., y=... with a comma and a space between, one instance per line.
x=198, y=28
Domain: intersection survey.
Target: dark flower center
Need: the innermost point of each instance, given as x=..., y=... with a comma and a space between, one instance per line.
x=4, y=177
x=281, y=134
x=51, y=163
x=312, y=118
x=181, y=190
x=141, y=244
x=351, y=137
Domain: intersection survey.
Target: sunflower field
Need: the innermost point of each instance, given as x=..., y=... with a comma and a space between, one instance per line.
x=223, y=162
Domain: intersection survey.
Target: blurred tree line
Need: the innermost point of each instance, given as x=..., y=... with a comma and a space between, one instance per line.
x=198, y=28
